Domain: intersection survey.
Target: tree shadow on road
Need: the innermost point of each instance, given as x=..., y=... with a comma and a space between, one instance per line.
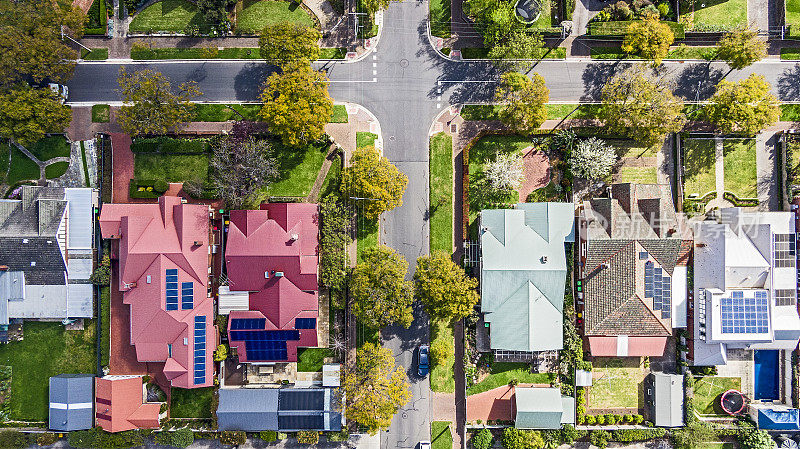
x=789, y=84
x=249, y=82
x=697, y=82
x=596, y=76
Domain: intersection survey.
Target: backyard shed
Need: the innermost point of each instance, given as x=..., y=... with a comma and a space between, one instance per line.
x=667, y=400
x=71, y=402
x=543, y=408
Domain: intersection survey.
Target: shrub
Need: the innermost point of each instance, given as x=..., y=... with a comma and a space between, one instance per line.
x=232, y=437
x=160, y=186
x=97, y=438
x=268, y=436
x=46, y=439
x=569, y=434
x=13, y=439
x=591, y=420
x=308, y=437
x=600, y=419
x=611, y=418
x=631, y=435
x=599, y=438
x=102, y=274
x=182, y=437
x=221, y=353
x=664, y=9
x=581, y=419
x=342, y=435
x=482, y=439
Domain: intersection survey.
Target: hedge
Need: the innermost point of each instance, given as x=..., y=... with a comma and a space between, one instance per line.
x=178, y=438
x=97, y=438
x=164, y=144
x=740, y=202
x=98, y=18
x=631, y=435
x=147, y=189
x=619, y=28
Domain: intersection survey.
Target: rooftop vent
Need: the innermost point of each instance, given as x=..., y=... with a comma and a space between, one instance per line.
x=266, y=275
x=197, y=243
x=24, y=240
x=33, y=263
x=149, y=279
x=49, y=242
x=605, y=265
x=295, y=237
x=700, y=245
x=279, y=274
x=544, y=259
x=3, y=267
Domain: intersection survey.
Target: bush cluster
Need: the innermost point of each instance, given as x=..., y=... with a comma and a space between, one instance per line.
x=609, y=419
x=334, y=237
x=624, y=10
x=232, y=437
x=147, y=189
x=102, y=274
x=98, y=18
x=599, y=438
x=340, y=436
x=631, y=435
x=97, y=438
x=308, y=437
x=268, y=436
x=179, y=438
x=482, y=439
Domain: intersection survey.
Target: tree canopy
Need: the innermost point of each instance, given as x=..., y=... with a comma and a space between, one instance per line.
x=296, y=104
x=494, y=18
x=151, y=107
x=286, y=42
x=519, y=45
x=27, y=113
x=215, y=11
x=239, y=168
x=375, y=180
x=374, y=388
x=592, y=159
x=373, y=6
x=741, y=48
x=444, y=288
x=524, y=101
x=381, y=294
x=30, y=40
x=641, y=107
x=744, y=107
x=648, y=38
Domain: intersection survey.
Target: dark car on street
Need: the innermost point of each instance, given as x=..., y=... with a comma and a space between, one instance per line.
x=423, y=366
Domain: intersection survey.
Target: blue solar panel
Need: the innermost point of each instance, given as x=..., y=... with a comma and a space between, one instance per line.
x=187, y=295
x=742, y=315
x=643, y=255
x=263, y=345
x=172, y=289
x=305, y=323
x=199, y=350
x=648, y=279
x=248, y=323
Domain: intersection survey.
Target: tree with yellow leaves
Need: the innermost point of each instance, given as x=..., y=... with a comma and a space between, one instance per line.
x=381, y=294
x=375, y=180
x=443, y=286
x=649, y=39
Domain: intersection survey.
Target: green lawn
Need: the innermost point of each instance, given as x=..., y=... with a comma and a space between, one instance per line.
x=97, y=54
x=442, y=380
x=441, y=436
x=707, y=390
x=504, y=372
x=548, y=193
x=167, y=15
x=441, y=193
x=793, y=17
x=640, y=175
x=50, y=147
x=101, y=113
x=332, y=179
x=680, y=52
x=365, y=139
x=740, y=167
x=21, y=168
x=632, y=169
x=56, y=169
x=170, y=167
x=46, y=350
x=191, y=403
x=105, y=332
x=440, y=18
x=555, y=111
x=366, y=235
x=716, y=15
x=332, y=53
x=204, y=112
x=311, y=359
x=791, y=53
x=619, y=383
x=257, y=14
x=698, y=165
x=339, y=114
x=196, y=53
x=297, y=169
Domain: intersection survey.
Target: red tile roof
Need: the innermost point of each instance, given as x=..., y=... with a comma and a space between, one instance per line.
x=119, y=404
x=154, y=238
x=273, y=254
x=637, y=346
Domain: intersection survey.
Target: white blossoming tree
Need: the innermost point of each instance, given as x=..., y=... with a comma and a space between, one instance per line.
x=592, y=159
x=506, y=171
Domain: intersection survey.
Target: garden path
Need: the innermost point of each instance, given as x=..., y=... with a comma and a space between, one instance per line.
x=313, y=195
x=719, y=173
x=42, y=164
x=766, y=176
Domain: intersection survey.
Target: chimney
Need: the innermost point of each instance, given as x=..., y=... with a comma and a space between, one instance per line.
x=700, y=245
x=605, y=265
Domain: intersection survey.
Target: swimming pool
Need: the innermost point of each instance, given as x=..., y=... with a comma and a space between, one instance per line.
x=766, y=375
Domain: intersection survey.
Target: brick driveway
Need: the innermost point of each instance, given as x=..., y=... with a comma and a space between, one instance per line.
x=494, y=404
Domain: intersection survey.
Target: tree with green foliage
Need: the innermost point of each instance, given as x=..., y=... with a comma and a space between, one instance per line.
x=377, y=183
x=693, y=435
x=373, y=6
x=31, y=43
x=221, y=353
x=102, y=273
x=379, y=290
x=599, y=438
x=286, y=42
x=641, y=107
x=151, y=107
x=13, y=439
x=182, y=437
x=233, y=437
x=524, y=101
x=444, y=288
x=27, y=114
x=752, y=438
x=215, y=12
x=520, y=45
x=240, y=168
x=522, y=439
x=374, y=388
x=648, y=38
x=741, y=48
x=482, y=439
x=441, y=351
x=296, y=104
x=744, y=107
x=592, y=159
x=495, y=18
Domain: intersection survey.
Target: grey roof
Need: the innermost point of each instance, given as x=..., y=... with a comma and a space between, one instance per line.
x=668, y=399
x=39, y=257
x=285, y=409
x=523, y=274
x=542, y=408
x=38, y=213
x=71, y=402
x=81, y=217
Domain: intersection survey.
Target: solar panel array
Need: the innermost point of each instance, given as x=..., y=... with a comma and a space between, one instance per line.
x=172, y=289
x=187, y=295
x=657, y=286
x=305, y=323
x=742, y=315
x=248, y=323
x=199, y=350
x=263, y=345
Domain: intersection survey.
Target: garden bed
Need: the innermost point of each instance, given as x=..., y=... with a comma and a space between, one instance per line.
x=620, y=27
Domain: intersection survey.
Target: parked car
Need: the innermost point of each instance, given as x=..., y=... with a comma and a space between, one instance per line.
x=424, y=445
x=423, y=364
x=60, y=90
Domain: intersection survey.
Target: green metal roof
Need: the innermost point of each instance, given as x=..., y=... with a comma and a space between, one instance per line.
x=542, y=408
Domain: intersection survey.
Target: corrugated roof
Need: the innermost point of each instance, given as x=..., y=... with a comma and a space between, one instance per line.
x=538, y=408
x=81, y=213
x=71, y=402
x=668, y=399
x=285, y=409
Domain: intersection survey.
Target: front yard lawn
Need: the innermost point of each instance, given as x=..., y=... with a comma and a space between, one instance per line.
x=167, y=15
x=46, y=350
x=740, y=167
x=339, y=114
x=50, y=147
x=699, y=176
x=715, y=15
x=616, y=383
x=297, y=169
x=793, y=17
x=101, y=113
x=639, y=175
x=170, y=167
x=442, y=380
x=55, y=169
x=312, y=359
x=365, y=139
x=441, y=192
x=707, y=391
x=637, y=163
x=441, y=436
x=504, y=372
x=22, y=168
x=191, y=403
x=257, y=14
x=205, y=112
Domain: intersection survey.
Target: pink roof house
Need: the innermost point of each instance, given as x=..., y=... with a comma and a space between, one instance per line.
x=272, y=253
x=163, y=255
x=120, y=406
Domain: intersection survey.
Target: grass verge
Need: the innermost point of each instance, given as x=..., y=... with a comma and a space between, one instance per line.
x=217, y=112
x=555, y=111
x=441, y=193
x=339, y=114
x=101, y=113
x=442, y=380
x=441, y=436
x=365, y=139
x=196, y=53
x=483, y=53
x=332, y=53
x=96, y=54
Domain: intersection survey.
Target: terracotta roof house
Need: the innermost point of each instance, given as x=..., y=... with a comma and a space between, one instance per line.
x=272, y=255
x=71, y=402
x=633, y=271
x=120, y=404
x=163, y=253
x=46, y=247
